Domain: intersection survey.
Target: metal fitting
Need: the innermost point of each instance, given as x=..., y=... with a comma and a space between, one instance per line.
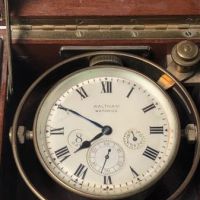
x=191, y=133
x=106, y=59
x=23, y=134
x=185, y=55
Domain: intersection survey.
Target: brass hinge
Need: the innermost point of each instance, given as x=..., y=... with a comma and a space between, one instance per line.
x=107, y=27
x=106, y=31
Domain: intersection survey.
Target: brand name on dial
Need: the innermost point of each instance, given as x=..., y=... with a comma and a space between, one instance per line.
x=106, y=107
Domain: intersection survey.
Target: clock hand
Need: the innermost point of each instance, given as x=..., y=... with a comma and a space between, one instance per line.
x=78, y=114
x=134, y=138
x=106, y=130
x=106, y=158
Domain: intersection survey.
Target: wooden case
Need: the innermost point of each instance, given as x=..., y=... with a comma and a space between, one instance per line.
x=40, y=28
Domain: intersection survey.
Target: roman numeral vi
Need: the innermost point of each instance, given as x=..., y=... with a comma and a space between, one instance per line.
x=107, y=180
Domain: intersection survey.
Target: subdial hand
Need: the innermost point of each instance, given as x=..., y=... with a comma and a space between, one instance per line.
x=106, y=158
x=78, y=114
x=134, y=138
x=106, y=130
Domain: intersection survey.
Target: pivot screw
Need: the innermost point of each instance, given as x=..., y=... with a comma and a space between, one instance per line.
x=186, y=55
x=22, y=134
x=191, y=133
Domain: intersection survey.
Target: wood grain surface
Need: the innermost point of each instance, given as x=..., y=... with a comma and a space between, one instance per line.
x=3, y=91
x=70, y=8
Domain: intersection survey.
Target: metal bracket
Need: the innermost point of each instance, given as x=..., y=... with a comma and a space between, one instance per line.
x=188, y=78
x=69, y=51
x=191, y=133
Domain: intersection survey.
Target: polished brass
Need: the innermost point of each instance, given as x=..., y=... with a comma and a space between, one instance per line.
x=186, y=55
x=106, y=32
x=191, y=133
x=187, y=50
x=105, y=59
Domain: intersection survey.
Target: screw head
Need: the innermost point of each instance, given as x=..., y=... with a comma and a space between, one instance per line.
x=186, y=55
x=187, y=50
x=191, y=133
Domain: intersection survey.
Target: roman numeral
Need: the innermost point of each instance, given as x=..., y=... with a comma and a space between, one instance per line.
x=82, y=93
x=62, y=153
x=156, y=129
x=106, y=87
x=134, y=172
x=81, y=171
x=57, y=131
x=107, y=180
x=129, y=94
x=148, y=108
x=151, y=153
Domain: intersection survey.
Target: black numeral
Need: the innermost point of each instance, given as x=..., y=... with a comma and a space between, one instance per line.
x=148, y=108
x=62, y=153
x=57, y=131
x=106, y=87
x=156, y=130
x=107, y=180
x=151, y=153
x=134, y=172
x=82, y=92
x=129, y=94
x=81, y=171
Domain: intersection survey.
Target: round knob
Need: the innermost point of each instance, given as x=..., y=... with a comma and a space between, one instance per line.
x=186, y=55
x=187, y=50
x=106, y=59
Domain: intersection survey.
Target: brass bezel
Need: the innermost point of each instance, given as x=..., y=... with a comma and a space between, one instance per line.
x=103, y=67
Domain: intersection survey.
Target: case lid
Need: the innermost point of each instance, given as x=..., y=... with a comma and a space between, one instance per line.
x=91, y=8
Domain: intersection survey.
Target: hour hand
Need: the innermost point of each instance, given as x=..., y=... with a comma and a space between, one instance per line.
x=78, y=114
x=106, y=130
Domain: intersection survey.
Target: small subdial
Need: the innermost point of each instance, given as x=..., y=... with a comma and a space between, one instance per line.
x=134, y=139
x=106, y=157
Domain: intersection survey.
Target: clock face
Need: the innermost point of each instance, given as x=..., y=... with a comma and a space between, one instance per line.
x=106, y=132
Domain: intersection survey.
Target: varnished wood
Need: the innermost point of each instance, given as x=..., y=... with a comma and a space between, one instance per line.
x=63, y=8
x=3, y=92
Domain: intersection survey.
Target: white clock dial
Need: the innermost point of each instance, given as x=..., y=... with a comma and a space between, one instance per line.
x=106, y=132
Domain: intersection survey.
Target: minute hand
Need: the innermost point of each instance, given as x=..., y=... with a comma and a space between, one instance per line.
x=78, y=114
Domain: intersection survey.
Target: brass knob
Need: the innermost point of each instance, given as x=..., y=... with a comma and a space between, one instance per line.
x=186, y=55
x=106, y=59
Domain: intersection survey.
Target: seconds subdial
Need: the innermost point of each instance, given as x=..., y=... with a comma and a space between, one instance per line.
x=106, y=157
x=134, y=139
